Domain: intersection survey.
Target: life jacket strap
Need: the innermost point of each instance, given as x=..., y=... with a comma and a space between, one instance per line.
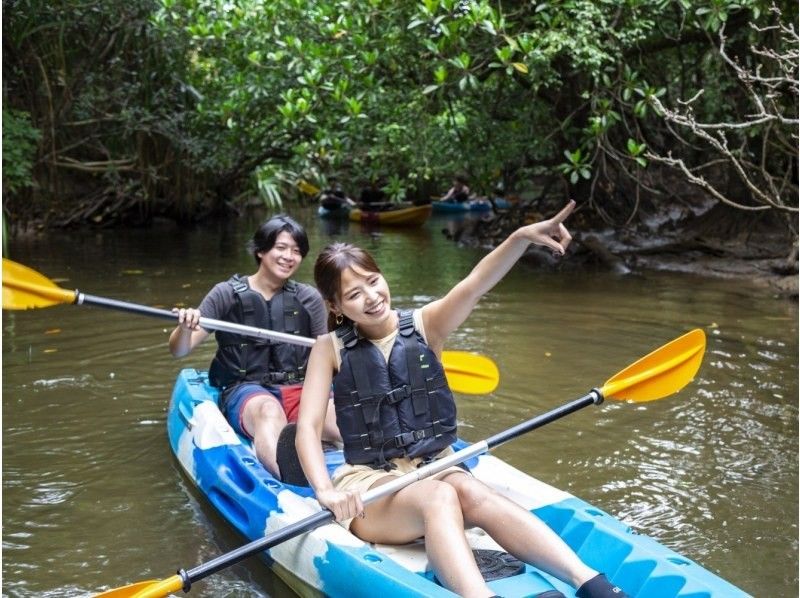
x=295, y=377
x=433, y=431
x=348, y=335
x=290, y=309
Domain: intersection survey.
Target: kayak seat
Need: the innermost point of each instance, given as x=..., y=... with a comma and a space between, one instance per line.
x=289, y=463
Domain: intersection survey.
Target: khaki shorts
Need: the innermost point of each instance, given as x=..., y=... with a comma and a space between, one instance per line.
x=360, y=478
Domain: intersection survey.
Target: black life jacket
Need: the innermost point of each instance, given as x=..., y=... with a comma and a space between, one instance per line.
x=388, y=410
x=243, y=359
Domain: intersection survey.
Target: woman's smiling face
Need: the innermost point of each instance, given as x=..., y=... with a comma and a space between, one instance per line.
x=365, y=297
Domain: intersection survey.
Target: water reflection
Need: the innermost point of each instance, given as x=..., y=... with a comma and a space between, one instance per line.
x=92, y=498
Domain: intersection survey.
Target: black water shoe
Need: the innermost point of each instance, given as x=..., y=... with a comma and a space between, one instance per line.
x=600, y=587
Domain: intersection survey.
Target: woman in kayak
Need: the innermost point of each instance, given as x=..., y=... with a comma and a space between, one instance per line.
x=459, y=192
x=260, y=379
x=396, y=412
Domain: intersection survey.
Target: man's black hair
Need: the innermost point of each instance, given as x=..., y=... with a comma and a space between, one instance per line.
x=266, y=235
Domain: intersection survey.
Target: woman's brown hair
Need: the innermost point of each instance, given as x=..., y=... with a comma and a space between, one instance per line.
x=331, y=262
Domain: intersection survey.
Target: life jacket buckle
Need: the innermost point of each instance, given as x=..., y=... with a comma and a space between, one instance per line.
x=403, y=440
x=284, y=377
x=371, y=440
x=398, y=394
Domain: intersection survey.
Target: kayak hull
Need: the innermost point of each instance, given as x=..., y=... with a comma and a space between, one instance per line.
x=333, y=213
x=473, y=205
x=411, y=216
x=331, y=561
x=452, y=207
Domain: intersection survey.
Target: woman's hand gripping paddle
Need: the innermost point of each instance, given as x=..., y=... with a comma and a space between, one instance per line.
x=655, y=376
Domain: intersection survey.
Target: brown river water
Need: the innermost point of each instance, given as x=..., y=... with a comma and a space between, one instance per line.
x=92, y=498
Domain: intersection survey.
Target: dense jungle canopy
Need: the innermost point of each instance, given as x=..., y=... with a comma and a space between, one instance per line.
x=116, y=112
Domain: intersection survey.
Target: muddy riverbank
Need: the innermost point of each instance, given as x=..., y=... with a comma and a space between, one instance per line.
x=706, y=241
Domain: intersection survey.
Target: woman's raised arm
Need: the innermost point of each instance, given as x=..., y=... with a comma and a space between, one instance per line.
x=444, y=315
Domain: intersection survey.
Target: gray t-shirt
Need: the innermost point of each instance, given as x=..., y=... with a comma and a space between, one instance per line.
x=220, y=300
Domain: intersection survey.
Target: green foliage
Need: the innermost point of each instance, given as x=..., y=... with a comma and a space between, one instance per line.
x=238, y=99
x=20, y=138
x=268, y=183
x=395, y=189
x=576, y=166
x=635, y=150
x=109, y=102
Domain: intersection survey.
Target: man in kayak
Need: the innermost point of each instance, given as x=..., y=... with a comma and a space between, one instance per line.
x=333, y=197
x=372, y=196
x=261, y=380
x=396, y=412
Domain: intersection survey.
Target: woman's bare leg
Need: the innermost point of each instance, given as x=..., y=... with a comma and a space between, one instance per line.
x=428, y=508
x=518, y=531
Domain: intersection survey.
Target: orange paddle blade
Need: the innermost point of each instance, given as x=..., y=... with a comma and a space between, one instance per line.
x=25, y=288
x=660, y=373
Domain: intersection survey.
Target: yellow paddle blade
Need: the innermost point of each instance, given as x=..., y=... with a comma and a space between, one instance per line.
x=24, y=288
x=307, y=188
x=660, y=373
x=470, y=373
x=146, y=589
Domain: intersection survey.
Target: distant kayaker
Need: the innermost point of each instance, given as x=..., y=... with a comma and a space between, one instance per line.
x=459, y=192
x=396, y=412
x=372, y=196
x=261, y=380
x=333, y=197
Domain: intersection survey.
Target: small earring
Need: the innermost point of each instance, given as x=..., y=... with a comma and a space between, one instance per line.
x=339, y=319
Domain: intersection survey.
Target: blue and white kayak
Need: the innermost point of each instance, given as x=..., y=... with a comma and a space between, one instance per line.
x=330, y=560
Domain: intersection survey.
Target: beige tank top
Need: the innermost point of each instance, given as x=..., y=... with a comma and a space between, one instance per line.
x=385, y=344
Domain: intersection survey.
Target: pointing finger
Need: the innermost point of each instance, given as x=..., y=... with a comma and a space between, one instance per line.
x=565, y=211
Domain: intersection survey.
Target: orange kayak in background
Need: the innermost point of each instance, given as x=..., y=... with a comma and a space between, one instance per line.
x=411, y=216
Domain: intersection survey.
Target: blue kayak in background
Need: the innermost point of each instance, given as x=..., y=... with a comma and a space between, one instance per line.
x=330, y=560
x=331, y=213
x=472, y=205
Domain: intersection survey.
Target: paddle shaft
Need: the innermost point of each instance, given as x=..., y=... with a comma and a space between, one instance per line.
x=595, y=397
x=26, y=281
x=656, y=375
x=207, y=323
x=471, y=374
x=24, y=288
